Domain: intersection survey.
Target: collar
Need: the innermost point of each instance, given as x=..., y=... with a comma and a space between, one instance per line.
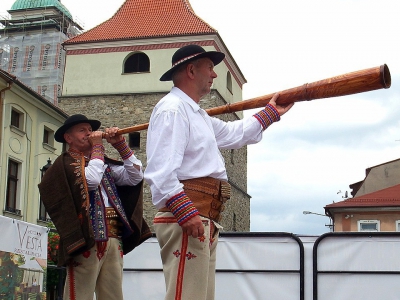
x=178, y=92
x=76, y=152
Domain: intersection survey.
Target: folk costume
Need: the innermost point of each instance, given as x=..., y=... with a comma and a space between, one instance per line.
x=96, y=205
x=187, y=176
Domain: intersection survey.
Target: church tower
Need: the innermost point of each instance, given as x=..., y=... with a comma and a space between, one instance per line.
x=30, y=44
x=112, y=74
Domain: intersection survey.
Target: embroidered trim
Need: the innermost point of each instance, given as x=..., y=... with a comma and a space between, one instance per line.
x=113, y=197
x=181, y=267
x=75, y=246
x=267, y=116
x=182, y=208
x=97, y=152
x=160, y=220
x=97, y=209
x=71, y=285
x=79, y=165
x=101, y=249
x=97, y=216
x=123, y=149
x=185, y=59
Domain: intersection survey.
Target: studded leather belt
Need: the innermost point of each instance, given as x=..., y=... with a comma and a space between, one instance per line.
x=208, y=196
x=114, y=225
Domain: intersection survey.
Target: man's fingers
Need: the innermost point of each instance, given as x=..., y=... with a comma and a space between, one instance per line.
x=193, y=228
x=274, y=98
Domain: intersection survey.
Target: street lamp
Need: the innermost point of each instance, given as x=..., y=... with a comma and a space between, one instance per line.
x=330, y=225
x=45, y=167
x=42, y=209
x=306, y=212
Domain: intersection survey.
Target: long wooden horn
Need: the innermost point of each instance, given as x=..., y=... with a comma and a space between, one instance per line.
x=342, y=85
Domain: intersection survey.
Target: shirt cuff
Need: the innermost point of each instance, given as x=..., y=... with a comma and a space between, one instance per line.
x=97, y=152
x=267, y=116
x=123, y=149
x=182, y=208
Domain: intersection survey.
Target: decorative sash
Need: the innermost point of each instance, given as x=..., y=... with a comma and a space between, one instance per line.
x=97, y=209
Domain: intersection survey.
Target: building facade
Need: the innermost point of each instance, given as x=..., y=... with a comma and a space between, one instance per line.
x=375, y=205
x=112, y=74
x=28, y=122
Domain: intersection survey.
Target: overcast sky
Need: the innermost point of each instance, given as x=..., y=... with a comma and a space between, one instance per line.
x=320, y=147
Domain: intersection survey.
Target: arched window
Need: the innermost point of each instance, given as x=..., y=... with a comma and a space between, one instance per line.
x=137, y=63
x=229, y=81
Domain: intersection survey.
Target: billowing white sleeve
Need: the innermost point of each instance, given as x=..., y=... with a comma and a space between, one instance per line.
x=236, y=134
x=166, y=140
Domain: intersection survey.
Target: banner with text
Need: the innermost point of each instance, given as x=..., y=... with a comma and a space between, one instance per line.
x=23, y=260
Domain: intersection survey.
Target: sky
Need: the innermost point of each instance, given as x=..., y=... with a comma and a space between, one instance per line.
x=320, y=147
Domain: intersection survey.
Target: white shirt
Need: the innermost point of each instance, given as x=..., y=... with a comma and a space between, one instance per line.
x=183, y=142
x=123, y=175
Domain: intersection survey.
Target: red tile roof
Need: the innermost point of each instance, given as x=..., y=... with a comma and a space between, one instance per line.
x=386, y=197
x=147, y=18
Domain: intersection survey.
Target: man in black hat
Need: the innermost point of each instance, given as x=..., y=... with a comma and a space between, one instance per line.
x=96, y=205
x=186, y=171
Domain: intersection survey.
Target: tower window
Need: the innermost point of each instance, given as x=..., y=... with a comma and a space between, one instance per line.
x=137, y=63
x=229, y=82
x=134, y=140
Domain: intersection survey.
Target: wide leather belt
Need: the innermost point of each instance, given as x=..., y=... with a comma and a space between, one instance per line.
x=114, y=225
x=208, y=196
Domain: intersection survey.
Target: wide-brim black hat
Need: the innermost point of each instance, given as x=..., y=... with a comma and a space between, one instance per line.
x=71, y=121
x=188, y=53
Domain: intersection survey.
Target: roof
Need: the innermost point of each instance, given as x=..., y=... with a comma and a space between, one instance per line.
x=29, y=4
x=383, y=198
x=357, y=185
x=147, y=19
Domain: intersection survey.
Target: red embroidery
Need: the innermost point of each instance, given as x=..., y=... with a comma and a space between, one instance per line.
x=75, y=264
x=101, y=248
x=86, y=254
x=181, y=268
x=176, y=253
x=165, y=220
x=202, y=238
x=211, y=241
x=190, y=256
x=71, y=285
x=120, y=250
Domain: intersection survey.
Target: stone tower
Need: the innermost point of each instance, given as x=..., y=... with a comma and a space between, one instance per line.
x=30, y=44
x=112, y=73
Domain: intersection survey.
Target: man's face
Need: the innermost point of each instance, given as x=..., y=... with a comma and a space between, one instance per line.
x=205, y=75
x=77, y=137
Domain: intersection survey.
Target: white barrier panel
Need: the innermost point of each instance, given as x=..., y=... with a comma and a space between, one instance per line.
x=249, y=266
x=23, y=259
x=358, y=266
x=268, y=266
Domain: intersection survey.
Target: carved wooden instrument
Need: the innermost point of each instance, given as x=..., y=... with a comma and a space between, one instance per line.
x=342, y=85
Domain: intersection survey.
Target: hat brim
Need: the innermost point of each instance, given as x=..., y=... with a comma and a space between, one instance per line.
x=59, y=135
x=215, y=56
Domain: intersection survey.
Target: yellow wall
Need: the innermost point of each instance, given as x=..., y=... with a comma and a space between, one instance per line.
x=101, y=73
x=26, y=147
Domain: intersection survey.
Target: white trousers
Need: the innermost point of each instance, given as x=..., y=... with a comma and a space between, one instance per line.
x=188, y=263
x=96, y=271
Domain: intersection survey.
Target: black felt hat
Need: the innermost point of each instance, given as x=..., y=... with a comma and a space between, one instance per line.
x=188, y=53
x=72, y=121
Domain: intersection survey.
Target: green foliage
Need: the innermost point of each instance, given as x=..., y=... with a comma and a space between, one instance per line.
x=52, y=277
x=10, y=274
